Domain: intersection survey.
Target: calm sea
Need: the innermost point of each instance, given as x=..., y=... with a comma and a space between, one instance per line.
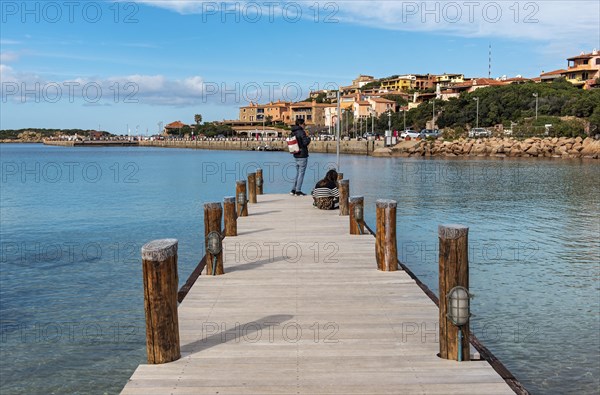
x=73, y=221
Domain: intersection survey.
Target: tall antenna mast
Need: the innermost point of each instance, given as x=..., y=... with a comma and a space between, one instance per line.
x=490, y=62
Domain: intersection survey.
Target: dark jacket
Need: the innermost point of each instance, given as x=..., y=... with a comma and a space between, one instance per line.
x=303, y=141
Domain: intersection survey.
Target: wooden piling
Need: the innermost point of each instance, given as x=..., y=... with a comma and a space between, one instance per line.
x=229, y=216
x=356, y=226
x=340, y=177
x=212, y=223
x=259, y=181
x=252, y=187
x=453, y=272
x=159, y=264
x=344, y=187
x=242, y=207
x=386, y=251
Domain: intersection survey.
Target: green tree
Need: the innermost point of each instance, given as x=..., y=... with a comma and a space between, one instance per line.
x=198, y=119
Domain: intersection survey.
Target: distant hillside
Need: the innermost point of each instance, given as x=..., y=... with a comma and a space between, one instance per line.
x=38, y=134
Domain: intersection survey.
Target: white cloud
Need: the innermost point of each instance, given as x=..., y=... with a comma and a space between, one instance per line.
x=544, y=21
x=132, y=89
x=8, y=56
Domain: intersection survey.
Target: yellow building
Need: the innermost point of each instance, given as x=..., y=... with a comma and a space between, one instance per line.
x=398, y=84
x=445, y=80
x=583, y=68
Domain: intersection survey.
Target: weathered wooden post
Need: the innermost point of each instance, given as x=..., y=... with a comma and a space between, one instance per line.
x=340, y=177
x=252, y=187
x=356, y=211
x=212, y=238
x=386, y=251
x=159, y=264
x=454, y=272
x=259, y=182
x=344, y=187
x=229, y=216
x=241, y=198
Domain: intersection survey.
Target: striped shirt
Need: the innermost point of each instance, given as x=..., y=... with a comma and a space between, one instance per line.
x=326, y=192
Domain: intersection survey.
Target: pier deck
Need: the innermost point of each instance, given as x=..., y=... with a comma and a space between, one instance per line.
x=302, y=309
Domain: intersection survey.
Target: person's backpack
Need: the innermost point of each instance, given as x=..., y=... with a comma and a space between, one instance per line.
x=293, y=146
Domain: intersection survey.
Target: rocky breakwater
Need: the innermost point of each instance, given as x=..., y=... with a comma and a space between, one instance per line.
x=557, y=147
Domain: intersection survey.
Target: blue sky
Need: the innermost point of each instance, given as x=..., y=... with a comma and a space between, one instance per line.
x=90, y=63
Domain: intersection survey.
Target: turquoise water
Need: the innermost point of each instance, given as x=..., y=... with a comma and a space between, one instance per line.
x=73, y=221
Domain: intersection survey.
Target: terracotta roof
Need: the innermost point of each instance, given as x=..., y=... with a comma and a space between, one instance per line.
x=381, y=100
x=302, y=104
x=175, y=125
x=477, y=82
x=554, y=72
x=583, y=56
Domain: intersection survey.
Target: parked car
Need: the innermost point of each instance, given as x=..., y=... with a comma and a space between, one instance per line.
x=480, y=132
x=430, y=133
x=413, y=134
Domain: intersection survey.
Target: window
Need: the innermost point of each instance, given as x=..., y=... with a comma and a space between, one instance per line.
x=597, y=60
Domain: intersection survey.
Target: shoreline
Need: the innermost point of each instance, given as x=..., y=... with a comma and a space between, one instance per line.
x=508, y=147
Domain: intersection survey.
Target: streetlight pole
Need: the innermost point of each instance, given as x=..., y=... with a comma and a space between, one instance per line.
x=372, y=123
x=477, y=116
x=404, y=116
x=536, y=105
x=390, y=120
x=433, y=116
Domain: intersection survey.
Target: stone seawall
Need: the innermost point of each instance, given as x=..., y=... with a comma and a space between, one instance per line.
x=557, y=147
x=346, y=147
x=62, y=143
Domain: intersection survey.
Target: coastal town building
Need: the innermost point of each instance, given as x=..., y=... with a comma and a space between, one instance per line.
x=356, y=85
x=312, y=112
x=403, y=83
x=468, y=86
x=362, y=109
x=583, y=68
x=446, y=80
x=174, y=127
x=380, y=105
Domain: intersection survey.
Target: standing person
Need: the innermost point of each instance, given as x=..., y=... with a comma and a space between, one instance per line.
x=301, y=157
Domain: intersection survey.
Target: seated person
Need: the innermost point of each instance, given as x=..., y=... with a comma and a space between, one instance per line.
x=326, y=194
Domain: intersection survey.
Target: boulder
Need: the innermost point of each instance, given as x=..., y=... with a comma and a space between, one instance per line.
x=533, y=150
x=385, y=152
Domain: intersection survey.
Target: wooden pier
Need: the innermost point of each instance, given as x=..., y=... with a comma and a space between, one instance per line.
x=302, y=309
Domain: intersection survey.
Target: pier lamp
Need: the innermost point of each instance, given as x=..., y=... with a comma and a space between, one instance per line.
x=214, y=247
x=241, y=199
x=358, y=216
x=358, y=212
x=458, y=311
